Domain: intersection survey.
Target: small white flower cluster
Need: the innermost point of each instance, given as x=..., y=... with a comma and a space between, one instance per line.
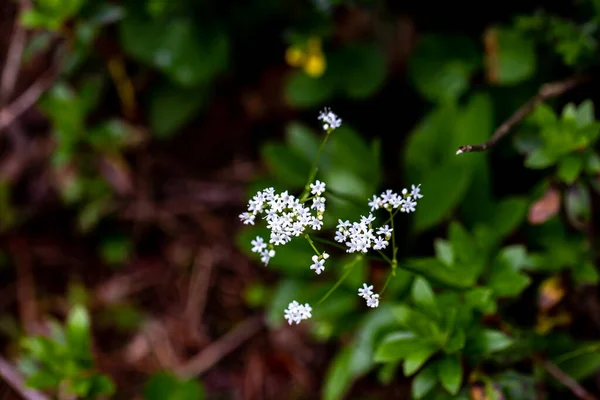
x=319, y=263
x=390, y=200
x=285, y=215
x=297, y=312
x=366, y=292
x=360, y=236
x=330, y=120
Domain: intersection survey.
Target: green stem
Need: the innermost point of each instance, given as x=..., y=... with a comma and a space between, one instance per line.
x=329, y=242
x=314, y=169
x=342, y=278
x=394, y=248
x=312, y=244
x=386, y=258
x=387, y=281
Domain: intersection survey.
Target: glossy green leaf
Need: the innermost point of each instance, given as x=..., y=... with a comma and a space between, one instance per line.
x=488, y=341
x=449, y=370
x=516, y=57
x=396, y=346
x=445, y=189
x=423, y=296
x=424, y=382
x=569, y=168
x=418, y=357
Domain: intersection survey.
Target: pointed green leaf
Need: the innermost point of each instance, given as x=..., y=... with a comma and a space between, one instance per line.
x=415, y=360
x=450, y=373
x=424, y=382
x=423, y=296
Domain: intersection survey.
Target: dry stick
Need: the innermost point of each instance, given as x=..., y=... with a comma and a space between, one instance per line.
x=547, y=91
x=15, y=381
x=567, y=381
x=214, y=352
x=13, y=63
x=26, y=100
x=198, y=288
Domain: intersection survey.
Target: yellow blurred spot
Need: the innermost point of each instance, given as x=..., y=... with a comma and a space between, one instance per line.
x=295, y=57
x=546, y=322
x=315, y=65
x=310, y=57
x=550, y=293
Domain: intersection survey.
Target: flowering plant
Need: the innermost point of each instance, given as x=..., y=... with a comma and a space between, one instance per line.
x=287, y=216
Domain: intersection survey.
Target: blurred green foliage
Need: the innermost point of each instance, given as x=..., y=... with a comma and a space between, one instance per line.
x=446, y=320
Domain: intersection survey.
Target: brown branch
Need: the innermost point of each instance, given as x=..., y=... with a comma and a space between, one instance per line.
x=214, y=352
x=10, y=375
x=12, y=65
x=547, y=91
x=26, y=100
x=566, y=380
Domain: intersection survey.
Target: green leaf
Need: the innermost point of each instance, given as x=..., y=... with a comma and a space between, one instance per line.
x=429, y=146
x=444, y=251
x=43, y=380
x=450, y=373
x=539, y=159
x=434, y=270
x=506, y=216
x=171, y=107
x=78, y=332
x=505, y=278
x=569, y=168
x=304, y=91
x=424, y=382
x=189, y=53
x=303, y=140
x=165, y=386
x=481, y=299
x=423, y=296
x=441, y=66
x=396, y=346
x=488, y=341
x=347, y=368
x=360, y=69
x=516, y=57
x=445, y=189
x=419, y=356
x=339, y=375
x=285, y=164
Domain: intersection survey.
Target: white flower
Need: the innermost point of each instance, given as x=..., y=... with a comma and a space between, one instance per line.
x=318, y=264
x=385, y=230
x=365, y=291
x=318, y=204
x=409, y=205
x=258, y=245
x=330, y=120
x=416, y=191
x=297, y=312
x=266, y=255
x=373, y=300
x=247, y=218
x=375, y=203
x=380, y=243
x=317, y=188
